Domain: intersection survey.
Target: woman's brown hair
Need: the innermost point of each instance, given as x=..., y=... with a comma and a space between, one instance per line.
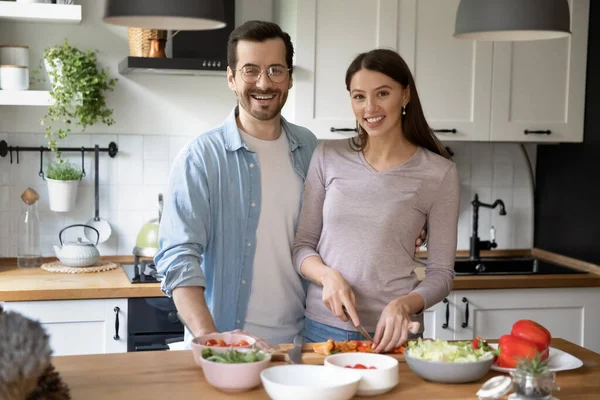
x=415, y=127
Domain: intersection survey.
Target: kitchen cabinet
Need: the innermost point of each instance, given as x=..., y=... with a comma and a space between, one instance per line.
x=436, y=320
x=327, y=35
x=568, y=313
x=453, y=77
x=79, y=326
x=469, y=90
x=540, y=86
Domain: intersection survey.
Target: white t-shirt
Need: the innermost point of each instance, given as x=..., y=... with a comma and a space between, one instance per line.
x=276, y=305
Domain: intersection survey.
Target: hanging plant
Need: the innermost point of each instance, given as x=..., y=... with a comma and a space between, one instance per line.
x=78, y=87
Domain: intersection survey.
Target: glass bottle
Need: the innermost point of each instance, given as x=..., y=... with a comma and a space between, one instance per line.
x=29, y=253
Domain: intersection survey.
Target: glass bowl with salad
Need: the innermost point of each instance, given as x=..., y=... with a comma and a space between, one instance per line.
x=234, y=370
x=448, y=362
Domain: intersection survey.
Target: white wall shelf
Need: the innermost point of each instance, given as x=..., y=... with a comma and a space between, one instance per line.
x=40, y=12
x=25, y=98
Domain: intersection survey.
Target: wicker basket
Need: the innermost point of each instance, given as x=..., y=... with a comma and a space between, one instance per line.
x=139, y=40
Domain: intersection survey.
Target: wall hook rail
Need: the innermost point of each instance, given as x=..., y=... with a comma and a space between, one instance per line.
x=5, y=150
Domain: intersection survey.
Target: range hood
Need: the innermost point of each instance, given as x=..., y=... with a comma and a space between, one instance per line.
x=173, y=66
x=189, y=52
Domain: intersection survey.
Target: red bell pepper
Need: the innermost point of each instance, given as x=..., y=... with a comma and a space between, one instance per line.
x=532, y=331
x=514, y=349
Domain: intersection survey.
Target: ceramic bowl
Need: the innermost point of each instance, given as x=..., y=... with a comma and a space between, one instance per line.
x=448, y=372
x=199, y=343
x=376, y=381
x=310, y=382
x=235, y=377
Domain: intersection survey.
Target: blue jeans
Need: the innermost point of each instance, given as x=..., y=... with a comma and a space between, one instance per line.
x=315, y=332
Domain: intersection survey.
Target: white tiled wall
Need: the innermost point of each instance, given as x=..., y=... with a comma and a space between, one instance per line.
x=130, y=183
x=129, y=188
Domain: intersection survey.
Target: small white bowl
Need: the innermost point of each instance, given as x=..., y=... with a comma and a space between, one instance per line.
x=374, y=381
x=309, y=382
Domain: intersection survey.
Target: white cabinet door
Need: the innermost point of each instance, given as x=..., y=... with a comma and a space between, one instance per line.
x=540, y=85
x=328, y=35
x=79, y=326
x=568, y=313
x=453, y=76
x=438, y=322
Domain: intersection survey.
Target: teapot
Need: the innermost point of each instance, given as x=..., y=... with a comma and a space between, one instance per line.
x=79, y=253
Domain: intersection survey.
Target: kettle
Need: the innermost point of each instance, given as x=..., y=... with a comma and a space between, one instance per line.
x=146, y=243
x=79, y=253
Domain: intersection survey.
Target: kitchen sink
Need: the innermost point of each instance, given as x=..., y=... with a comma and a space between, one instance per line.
x=508, y=266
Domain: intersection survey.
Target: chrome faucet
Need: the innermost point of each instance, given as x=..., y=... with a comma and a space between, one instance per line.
x=476, y=244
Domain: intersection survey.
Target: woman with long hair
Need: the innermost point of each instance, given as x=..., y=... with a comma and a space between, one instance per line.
x=365, y=200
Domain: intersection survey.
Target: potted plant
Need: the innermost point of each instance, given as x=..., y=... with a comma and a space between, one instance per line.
x=78, y=87
x=63, y=180
x=532, y=379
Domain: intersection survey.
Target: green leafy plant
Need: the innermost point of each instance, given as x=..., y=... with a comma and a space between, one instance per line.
x=78, y=90
x=534, y=366
x=62, y=170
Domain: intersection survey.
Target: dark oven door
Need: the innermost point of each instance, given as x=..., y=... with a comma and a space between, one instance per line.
x=152, y=323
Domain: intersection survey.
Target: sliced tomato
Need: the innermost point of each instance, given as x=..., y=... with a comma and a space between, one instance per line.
x=211, y=342
x=371, y=367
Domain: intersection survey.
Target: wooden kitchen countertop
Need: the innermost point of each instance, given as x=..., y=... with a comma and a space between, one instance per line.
x=174, y=375
x=30, y=284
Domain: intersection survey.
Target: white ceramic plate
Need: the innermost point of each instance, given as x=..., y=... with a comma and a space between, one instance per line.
x=558, y=360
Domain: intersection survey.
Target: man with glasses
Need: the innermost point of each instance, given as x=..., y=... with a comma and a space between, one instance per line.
x=233, y=201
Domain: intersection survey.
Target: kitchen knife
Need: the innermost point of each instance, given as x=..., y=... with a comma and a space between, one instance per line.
x=360, y=328
x=295, y=354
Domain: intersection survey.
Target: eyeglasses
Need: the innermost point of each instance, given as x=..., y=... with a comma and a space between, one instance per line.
x=276, y=73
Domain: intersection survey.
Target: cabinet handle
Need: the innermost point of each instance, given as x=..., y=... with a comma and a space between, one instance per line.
x=546, y=132
x=116, y=310
x=466, y=323
x=445, y=326
x=453, y=131
x=332, y=129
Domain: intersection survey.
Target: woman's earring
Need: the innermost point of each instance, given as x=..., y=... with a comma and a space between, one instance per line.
x=403, y=110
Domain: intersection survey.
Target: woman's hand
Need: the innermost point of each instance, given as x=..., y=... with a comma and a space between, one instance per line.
x=338, y=294
x=393, y=326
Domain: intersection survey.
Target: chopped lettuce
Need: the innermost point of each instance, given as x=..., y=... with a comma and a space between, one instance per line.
x=444, y=351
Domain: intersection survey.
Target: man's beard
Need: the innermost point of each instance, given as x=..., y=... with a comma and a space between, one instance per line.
x=263, y=113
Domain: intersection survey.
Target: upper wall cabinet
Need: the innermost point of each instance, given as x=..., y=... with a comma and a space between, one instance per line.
x=538, y=90
x=453, y=77
x=470, y=91
x=329, y=34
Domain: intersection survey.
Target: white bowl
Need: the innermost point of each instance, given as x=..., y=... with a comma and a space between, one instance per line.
x=309, y=382
x=374, y=381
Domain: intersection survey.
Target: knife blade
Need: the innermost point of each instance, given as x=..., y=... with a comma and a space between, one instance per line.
x=295, y=354
x=360, y=328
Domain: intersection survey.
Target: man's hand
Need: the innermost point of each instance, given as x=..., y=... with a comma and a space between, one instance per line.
x=421, y=240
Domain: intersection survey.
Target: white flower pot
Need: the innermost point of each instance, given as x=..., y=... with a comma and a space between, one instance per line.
x=51, y=66
x=62, y=194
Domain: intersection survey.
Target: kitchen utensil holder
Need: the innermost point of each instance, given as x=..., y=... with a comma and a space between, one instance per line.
x=5, y=149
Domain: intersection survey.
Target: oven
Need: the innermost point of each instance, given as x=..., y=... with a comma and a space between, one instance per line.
x=152, y=324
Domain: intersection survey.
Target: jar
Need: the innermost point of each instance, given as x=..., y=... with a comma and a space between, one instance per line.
x=534, y=387
x=29, y=252
x=14, y=77
x=14, y=55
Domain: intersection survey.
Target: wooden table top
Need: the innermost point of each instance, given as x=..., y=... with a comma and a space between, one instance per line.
x=173, y=375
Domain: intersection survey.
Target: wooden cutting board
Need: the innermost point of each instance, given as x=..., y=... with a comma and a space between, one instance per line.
x=309, y=356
